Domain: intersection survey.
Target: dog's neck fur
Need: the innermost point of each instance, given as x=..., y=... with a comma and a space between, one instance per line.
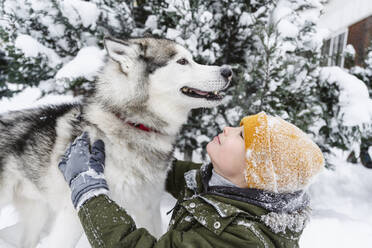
x=168, y=127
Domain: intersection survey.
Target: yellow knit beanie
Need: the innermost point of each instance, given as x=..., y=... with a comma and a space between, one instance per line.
x=279, y=156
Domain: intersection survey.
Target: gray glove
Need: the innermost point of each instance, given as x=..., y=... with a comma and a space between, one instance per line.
x=83, y=171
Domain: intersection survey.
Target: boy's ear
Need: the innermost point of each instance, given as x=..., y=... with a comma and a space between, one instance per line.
x=121, y=50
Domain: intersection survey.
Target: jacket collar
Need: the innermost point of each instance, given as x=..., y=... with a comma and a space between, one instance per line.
x=216, y=207
x=273, y=202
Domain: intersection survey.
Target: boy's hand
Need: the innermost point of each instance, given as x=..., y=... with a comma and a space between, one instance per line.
x=82, y=170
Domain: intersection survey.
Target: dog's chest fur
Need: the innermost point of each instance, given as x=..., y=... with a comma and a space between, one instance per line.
x=128, y=169
x=135, y=170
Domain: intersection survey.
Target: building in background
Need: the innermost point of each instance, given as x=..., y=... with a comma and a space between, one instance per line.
x=348, y=22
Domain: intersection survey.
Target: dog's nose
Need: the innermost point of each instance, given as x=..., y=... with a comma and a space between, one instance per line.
x=226, y=72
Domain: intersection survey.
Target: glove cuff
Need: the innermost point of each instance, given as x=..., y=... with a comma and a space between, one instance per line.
x=86, y=183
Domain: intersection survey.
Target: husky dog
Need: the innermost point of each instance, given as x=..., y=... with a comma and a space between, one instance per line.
x=141, y=98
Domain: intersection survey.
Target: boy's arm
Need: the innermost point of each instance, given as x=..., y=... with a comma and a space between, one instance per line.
x=175, y=181
x=106, y=224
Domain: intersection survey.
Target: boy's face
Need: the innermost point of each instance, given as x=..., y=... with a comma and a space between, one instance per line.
x=227, y=153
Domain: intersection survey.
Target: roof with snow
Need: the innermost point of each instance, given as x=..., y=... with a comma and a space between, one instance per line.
x=340, y=14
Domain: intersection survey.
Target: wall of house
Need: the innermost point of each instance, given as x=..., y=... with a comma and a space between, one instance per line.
x=360, y=36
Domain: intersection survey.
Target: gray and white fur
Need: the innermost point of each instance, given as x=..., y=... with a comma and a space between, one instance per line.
x=145, y=80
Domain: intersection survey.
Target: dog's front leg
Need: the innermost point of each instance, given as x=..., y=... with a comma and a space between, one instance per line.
x=66, y=230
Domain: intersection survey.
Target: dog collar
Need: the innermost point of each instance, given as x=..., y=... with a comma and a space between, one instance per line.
x=141, y=126
x=137, y=125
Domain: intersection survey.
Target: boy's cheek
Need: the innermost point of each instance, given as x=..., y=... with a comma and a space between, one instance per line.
x=208, y=148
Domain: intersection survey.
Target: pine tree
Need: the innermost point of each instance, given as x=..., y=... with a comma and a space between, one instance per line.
x=364, y=74
x=283, y=75
x=274, y=72
x=4, y=91
x=275, y=57
x=17, y=69
x=60, y=29
x=213, y=32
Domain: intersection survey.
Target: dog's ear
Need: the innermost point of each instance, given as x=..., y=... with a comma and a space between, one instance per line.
x=120, y=50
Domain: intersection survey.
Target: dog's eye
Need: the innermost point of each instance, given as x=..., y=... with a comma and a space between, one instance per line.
x=182, y=61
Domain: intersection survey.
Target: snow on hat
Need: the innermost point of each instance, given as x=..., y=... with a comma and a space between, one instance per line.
x=279, y=156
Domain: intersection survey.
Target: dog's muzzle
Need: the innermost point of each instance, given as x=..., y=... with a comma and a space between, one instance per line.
x=226, y=74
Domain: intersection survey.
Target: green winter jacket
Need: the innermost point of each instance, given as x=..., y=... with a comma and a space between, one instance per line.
x=202, y=217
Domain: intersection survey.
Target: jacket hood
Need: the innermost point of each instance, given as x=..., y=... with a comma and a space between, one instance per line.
x=273, y=202
x=278, y=211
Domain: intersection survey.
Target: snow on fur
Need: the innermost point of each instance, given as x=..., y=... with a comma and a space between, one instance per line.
x=280, y=222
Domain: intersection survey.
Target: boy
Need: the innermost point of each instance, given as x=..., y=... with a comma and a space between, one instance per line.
x=251, y=195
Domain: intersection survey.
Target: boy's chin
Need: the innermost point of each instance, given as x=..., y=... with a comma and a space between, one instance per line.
x=208, y=148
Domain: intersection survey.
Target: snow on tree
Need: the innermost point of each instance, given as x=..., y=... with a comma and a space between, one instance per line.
x=39, y=37
x=216, y=32
x=365, y=75
x=273, y=47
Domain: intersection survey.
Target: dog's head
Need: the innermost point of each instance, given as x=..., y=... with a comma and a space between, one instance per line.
x=160, y=74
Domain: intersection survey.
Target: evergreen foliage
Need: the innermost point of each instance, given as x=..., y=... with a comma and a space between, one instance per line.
x=275, y=57
x=61, y=29
x=364, y=74
x=274, y=72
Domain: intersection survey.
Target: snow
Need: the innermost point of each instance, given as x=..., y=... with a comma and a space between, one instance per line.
x=175, y=5
x=86, y=64
x=246, y=19
x=342, y=203
x=290, y=22
x=80, y=12
x=282, y=11
x=349, y=50
x=173, y=33
x=280, y=222
x=354, y=98
x=32, y=48
x=351, y=12
x=336, y=232
x=151, y=22
x=206, y=17
x=288, y=29
x=29, y=98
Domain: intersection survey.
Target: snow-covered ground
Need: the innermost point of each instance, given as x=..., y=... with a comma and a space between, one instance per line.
x=341, y=199
x=342, y=203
